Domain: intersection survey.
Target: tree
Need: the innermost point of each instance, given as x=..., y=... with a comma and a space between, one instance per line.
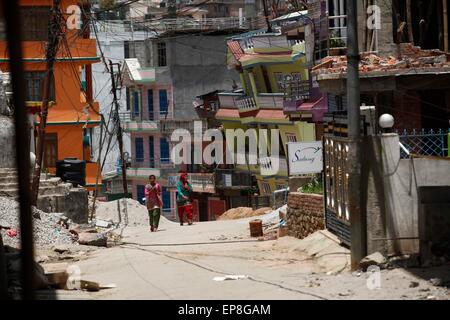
x=107, y=4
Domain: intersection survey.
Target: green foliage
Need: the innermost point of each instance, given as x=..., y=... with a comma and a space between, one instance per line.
x=107, y=4
x=315, y=186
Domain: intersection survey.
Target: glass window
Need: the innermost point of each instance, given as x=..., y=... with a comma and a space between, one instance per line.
x=151, y=112
x=139, y=146
x=35, y=21
x=34, y=83
x=164, y=150
x=162, y=54
x=163, y=103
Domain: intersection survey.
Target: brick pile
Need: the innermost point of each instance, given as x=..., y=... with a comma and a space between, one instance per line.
x=305, y=214
x=409, y=57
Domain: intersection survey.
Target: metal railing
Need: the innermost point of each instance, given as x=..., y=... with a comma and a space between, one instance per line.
x=225, y=23
x=139, y=116
x=424, y=143
x=271, y=100
x=150, y=163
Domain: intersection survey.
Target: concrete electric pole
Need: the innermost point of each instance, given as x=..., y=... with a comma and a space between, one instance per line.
x=357, y=215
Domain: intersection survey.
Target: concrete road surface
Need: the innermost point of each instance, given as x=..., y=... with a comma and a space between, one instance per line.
x=181, y=263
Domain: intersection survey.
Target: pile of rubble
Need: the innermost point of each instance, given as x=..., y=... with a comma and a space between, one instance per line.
x=409, y=57
x=120, y=212
x=47, y=226
x=243, y=212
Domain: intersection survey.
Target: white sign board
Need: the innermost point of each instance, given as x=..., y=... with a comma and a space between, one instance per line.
x=305, y=157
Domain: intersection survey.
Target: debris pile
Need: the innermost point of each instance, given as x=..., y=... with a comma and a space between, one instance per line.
x=243, y=212
x=121, y=212
x=410, y=57
x=48, y=230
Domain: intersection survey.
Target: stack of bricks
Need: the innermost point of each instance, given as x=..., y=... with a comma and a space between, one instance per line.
x=305, y=214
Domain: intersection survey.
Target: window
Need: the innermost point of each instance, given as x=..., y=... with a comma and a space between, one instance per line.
x=34, y=83
x=290, y=137
x=163, y=103
x=164, y=151
x=51, y=150
x=151, y=111
x=151, y=148
x=128, y=97
x=35, y=22
x=141, y=194
x=162, y=54
x=136, y=104
x=139, y=149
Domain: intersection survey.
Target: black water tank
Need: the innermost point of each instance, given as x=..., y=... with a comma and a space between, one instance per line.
x=72, y=170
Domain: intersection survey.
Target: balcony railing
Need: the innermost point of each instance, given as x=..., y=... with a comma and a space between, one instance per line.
x=151, y=163
x=226, y=23
x=139, y=116
x=270, y=100
x=168, y=126
x=246, y=104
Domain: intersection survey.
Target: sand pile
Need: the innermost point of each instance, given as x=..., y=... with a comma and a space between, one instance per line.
x=117, y=212
x=243, y=212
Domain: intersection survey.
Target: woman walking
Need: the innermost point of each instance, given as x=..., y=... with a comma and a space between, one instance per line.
x=184, y=199
x=154, y=202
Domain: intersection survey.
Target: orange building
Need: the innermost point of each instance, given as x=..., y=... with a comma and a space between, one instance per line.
x=73, y=113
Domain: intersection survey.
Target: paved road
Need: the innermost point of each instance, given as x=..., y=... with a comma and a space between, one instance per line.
x=181, y=263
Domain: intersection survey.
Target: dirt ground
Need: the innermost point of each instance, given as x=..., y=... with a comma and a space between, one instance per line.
x=181, y=262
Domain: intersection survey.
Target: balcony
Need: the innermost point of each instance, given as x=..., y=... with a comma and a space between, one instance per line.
x=169, y=125
x=271, y=100
x=269, y=168
x=228, y=99
x=232, y=179
x=137, y=122
x=34, y=51
x=295, y=94
x=246, y=103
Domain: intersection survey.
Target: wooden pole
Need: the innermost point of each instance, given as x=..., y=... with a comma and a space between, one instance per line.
x=54, y=34
x=11, y=12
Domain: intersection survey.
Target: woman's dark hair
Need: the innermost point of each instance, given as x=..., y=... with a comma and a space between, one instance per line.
x=152, y=176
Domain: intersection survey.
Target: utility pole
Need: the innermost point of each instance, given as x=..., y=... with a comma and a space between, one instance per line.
x=357, y=214
x=119, y=129
x=54, y=33
x=266, y=14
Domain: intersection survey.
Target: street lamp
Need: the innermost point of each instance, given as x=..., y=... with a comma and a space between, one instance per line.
x=386, y=122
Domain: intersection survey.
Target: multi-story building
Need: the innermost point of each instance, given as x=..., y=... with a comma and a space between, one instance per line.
x=73, y=113
x=118, y=42
x=267, y=64
x=161, y=86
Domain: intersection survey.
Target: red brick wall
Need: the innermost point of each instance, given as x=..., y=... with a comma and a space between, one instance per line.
x=305, y=214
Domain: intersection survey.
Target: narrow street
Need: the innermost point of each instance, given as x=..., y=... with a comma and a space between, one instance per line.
x=182, y=262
